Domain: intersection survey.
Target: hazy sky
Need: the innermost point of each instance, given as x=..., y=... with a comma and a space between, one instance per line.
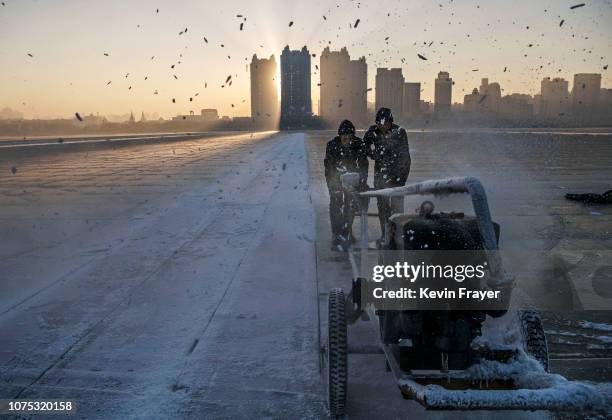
x=69, y=71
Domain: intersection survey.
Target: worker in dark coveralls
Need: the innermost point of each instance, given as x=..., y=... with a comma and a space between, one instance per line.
x=387, y=145
x=344, y=153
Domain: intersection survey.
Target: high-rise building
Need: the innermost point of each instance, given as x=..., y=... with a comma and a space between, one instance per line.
x=443, y=94
x=554, y=98
x=585, y=94
x=471, y=102
x=490, y=96
x=411, y=103
x=390, y=89
x=516, y=106
x=484, y=84
x=605, y=102
x=264, y=97
x=344, y=85
x=296, y=103
x=426, y=107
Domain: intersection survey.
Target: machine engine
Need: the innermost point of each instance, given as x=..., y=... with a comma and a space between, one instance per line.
x=433, y=339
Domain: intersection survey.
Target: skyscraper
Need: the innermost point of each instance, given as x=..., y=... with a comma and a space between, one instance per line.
x=344, y=84
x=264, y=97
x=471, y=102
x=554, y=98
x=296, y=103
x=605, y=101
x=585, y=94
x=484, y=84
x=443, y=94
x=490, y=96
x=390, y=89
x=516, y=106
x=411, y=103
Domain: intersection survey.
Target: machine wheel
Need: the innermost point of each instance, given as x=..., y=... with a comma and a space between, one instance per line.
x=336, y=354
x=534, y=337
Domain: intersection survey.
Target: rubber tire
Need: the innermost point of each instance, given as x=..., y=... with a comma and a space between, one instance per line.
x=336, y=354
x=534, y=337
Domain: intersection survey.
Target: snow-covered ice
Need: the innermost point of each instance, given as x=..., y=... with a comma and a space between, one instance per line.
x=176, y=279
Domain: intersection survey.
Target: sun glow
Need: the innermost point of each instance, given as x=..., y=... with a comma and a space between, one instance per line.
x=278, y=78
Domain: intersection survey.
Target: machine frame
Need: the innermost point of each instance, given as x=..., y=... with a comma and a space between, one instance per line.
x=437, y=390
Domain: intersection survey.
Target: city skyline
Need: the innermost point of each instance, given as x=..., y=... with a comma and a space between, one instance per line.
x=75, y=54
x=343, y=89
x=554, y=99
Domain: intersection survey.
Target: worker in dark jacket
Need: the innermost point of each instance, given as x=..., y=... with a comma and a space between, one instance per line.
x=344, y=153
x=387, y=145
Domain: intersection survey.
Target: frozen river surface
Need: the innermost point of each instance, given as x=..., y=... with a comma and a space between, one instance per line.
x=188, y=278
